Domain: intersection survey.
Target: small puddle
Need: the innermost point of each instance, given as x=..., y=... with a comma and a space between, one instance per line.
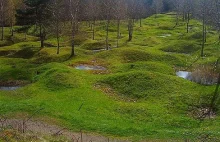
x=99, y=50
x=9, y=88
x=197, y=77
x=184, y=74
x=165, y=35
x=12, y=84
x=89, y=67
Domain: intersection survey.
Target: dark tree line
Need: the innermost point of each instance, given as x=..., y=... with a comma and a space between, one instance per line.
x=50, y=16
x=44, y=14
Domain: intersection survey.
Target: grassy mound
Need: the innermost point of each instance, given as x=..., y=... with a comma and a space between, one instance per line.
x=146, y=41
x=145, y=66
x=195, y=35
x=138, y=70
x=56, y=77
x=134, y=55
x=186, y=47
x=18, y=69
x=25, y=53
x=141, y=84
x=47, y=55
x=93, y=45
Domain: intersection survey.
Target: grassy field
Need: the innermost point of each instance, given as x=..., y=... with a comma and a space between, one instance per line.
x=139, y=96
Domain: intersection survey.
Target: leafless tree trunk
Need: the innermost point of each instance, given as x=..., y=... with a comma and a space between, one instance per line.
x=57, y=11
x=120, y=14
x=130, y=29
x=158, y=6
x=74, y=9
x=216, y=93
x=118, y=32
x=93, y=30
x=203, y=36
x=107, y=33
x=2, y=19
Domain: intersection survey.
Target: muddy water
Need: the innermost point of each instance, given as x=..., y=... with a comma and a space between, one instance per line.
x=9, y=88
x=89, y=67
x=197, y=77
x=98, y=50
x=165, y=35
x=184, y=74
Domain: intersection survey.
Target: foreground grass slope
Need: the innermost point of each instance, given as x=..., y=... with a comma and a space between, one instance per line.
x=138, y=97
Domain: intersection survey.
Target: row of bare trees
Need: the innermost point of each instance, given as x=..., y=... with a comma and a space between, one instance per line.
x=7, y=12
x=49, y=16
x=53, y=14
x=207, y=11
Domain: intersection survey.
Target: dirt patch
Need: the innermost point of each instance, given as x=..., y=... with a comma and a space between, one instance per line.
x=49, y=45
x=203, y=76
x=93, y=66
x=203, y=113
x=112, y=93
x=12, y=83
x=38, y=127
x=7, y=52
x=25, y=53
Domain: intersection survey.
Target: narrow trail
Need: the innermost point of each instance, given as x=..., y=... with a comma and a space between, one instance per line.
x=38, y=127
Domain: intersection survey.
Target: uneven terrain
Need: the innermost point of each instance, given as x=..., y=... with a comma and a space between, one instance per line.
x=133, y=92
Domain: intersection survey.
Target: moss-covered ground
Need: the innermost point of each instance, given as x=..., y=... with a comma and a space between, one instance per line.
x=139, y=96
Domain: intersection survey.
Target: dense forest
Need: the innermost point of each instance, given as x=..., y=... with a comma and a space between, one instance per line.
x=109, y=70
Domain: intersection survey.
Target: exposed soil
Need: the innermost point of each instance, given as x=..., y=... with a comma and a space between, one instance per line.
x=111, y=93
x=13, y=83
x=25, y=53
x=199, y=76
x=203, y=113
x=38, y=127
x=6, y=53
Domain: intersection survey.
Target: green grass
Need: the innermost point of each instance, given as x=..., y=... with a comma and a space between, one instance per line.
x=142, y=84
x=186, y=47
x=93, y=45
x=139, y=97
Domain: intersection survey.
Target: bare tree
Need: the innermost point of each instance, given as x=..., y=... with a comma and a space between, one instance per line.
x=108, y=10
x=73, y=6
x=177, y=4
x=187, y=12
x=141, y=10
x=158, y=6
x=93, y=13
x=57, y=8
x=6, y=8
x=120, y=14
x=11, y=15
x=216, y=16
x=132, y=5
x=204, y=9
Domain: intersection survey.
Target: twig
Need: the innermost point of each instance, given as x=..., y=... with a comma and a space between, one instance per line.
x=81, y=135
x=57, y=133
x=80, y=106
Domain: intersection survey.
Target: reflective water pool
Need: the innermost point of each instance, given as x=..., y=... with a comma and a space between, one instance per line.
x=9, y=88
x=89, y=67
x=184, y=74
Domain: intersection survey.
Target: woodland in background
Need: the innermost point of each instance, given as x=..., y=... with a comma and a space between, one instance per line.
x=51, y=16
